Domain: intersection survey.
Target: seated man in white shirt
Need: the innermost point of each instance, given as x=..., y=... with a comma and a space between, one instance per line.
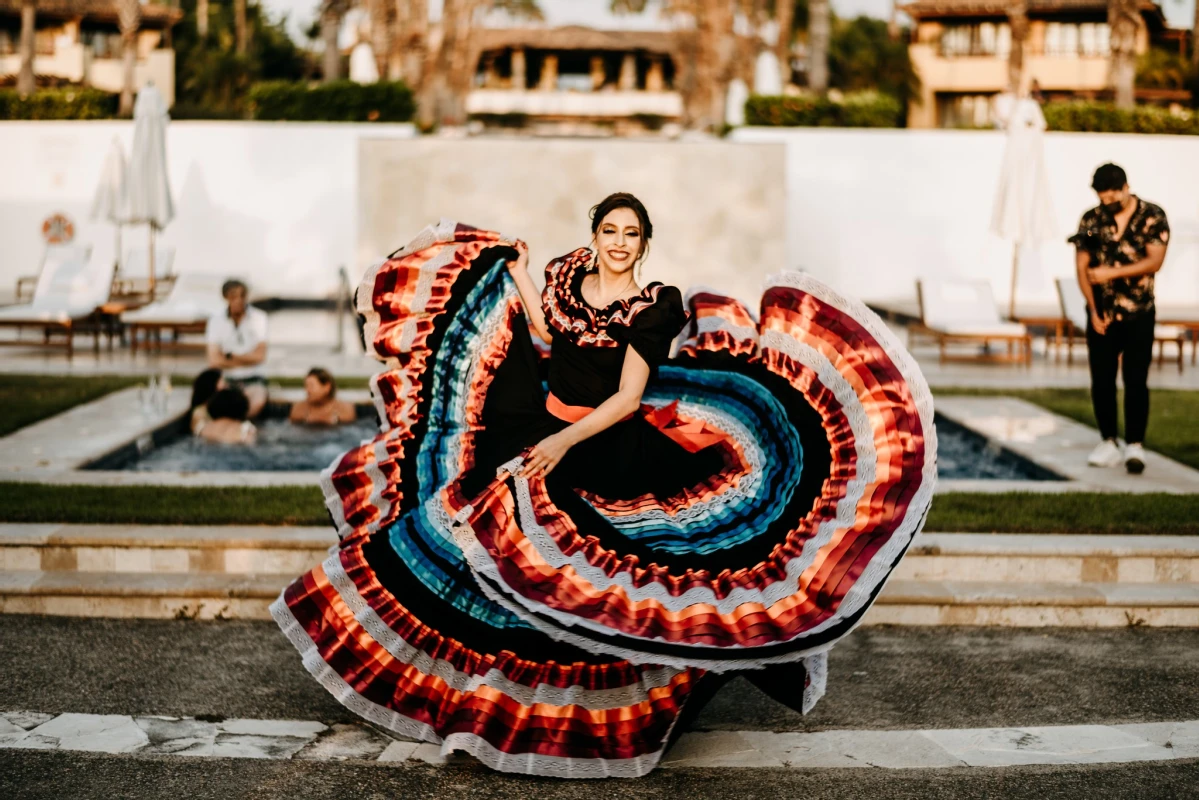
x=237, y=344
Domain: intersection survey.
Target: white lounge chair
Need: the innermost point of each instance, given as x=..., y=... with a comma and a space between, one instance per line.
x=1074, y=308
x=69, y=292
x=958, y=312
x=52, y=254
x=191, y=301
x=133, y=274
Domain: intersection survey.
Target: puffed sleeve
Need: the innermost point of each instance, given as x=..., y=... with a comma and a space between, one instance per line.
x=653, y=328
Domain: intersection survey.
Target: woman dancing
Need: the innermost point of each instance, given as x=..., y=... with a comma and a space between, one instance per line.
x=550, y=560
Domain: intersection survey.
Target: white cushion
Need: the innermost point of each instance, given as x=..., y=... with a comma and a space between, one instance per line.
x=994, y=329
x=958, y=303
x=1169, y=332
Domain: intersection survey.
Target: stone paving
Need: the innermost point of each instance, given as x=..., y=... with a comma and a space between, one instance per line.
x=847, y=749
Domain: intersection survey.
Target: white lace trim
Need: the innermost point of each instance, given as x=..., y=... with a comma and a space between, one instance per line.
x=712, y=324
x=552, y=766
x=817, y=668
x=393, y=643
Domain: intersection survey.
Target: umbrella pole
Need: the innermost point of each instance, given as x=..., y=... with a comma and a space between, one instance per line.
x=1011, y=310
x=152, y=226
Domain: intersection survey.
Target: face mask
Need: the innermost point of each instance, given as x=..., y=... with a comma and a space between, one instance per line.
x=1112, y=209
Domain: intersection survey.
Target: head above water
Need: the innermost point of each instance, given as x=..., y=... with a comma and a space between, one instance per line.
x=206, y=384
x=235, y=293
x=1111, y=184
x=620, y=232
x=229, y=404
x=319, y=385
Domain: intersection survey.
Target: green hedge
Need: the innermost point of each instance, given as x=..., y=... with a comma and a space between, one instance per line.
x=1093, y=117
x=854, y=110
x=340, y=101
x=72, y=102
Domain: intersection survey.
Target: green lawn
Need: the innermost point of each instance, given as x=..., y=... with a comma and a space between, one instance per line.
x=1173, y=415
x=25, y=399
x=162, y=505
x=1015, y=512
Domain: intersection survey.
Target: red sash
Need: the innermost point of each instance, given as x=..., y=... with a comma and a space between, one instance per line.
x=692, y=436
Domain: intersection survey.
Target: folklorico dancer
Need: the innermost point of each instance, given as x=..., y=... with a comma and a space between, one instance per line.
x=552, y=556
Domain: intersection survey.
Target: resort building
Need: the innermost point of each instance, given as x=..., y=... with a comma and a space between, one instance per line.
x=960, y=50
x=79, y=42
x=575, y=79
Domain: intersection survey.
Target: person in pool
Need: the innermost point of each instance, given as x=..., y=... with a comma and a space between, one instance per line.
x=228, y=411
x=206, y=384
x=321, y=406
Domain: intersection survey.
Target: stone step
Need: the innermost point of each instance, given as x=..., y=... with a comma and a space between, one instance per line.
x=1051, y=558
x=1027, y=604
x=1015, y=558
x=902, y=602
x=148, y=595
x=164, y=549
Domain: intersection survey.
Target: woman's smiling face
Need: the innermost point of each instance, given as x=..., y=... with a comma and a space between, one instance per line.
x=618, y=240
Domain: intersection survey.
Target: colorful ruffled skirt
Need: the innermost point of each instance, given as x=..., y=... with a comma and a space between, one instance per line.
x=554, y=629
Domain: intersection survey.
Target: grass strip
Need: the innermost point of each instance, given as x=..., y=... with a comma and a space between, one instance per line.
x=1069, y=512
x=1014, y=512
x=26, y=399
x=1173, y=414
x=162, y=505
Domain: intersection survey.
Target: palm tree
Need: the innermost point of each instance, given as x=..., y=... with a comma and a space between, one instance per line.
x=240, y=28
x=332, y=13
x=784, y=15
x=25, y=84
x=382, y=15
x=1018, y=22
x=202, y=19
x=819, y=36
x=129, y=18
x=1195, y=41
x=410, y=40
x=1124, y=19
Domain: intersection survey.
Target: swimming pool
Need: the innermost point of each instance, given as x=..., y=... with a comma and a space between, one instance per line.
x=283, y=447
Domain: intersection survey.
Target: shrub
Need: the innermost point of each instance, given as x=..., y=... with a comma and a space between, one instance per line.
x=1093, y=117
x=339, y=101
x=855, y=110
x=70, y=102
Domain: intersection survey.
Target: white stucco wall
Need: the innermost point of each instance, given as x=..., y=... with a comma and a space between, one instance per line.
x=272, y=202
x=873, y=210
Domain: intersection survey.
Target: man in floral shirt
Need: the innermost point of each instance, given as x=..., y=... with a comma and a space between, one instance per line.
x=1120, y=246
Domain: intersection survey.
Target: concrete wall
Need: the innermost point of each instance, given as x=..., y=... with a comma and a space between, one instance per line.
x=717, y=207
x=274, y=202
x=874, y=210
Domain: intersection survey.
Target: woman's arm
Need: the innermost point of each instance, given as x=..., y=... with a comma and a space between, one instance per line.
x=529, y=296
x=634, y=375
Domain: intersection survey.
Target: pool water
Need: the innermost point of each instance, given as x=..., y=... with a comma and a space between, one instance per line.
x=283, y=447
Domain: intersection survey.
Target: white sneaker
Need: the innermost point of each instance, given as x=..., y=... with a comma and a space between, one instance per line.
x=1134, y=459
x=1106, y=454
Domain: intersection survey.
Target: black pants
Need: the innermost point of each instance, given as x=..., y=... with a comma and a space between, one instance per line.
x=1134, y=339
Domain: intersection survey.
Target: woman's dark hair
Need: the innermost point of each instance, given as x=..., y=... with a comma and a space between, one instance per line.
x=204, y=387
x=623, y=200
x=1109, y=178
x=229, y=404
x=326, y=379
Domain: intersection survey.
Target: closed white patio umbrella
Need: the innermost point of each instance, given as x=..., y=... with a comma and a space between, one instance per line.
x=109, y=201
x=147, y=185
x=1023, y=212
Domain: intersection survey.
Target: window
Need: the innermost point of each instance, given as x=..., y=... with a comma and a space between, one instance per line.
x=965, y=110
x=104, y=42
x=1077, y=39
x=976, y=39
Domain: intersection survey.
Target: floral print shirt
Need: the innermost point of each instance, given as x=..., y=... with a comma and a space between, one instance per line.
x=1124, y=297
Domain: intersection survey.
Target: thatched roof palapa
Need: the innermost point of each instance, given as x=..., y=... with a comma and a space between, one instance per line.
x=576, y=37
x=934, y=9
x=157, y=14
